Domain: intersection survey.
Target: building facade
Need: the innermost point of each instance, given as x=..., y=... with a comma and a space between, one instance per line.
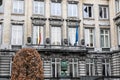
x=74, y=37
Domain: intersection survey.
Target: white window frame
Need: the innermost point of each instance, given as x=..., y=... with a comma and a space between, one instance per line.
x=0, y=33
x=18, y=6
x=119, y=35
x=56, y=9
x=104, y=41
x=86, y=14
x=39, y=31
x=38, y=7
x=57, y=67
x=72, y=35
x=16, y=38
x=107, y=67
x=103, y=13
x=88, y=35
x=73, y=62
x=117, y=5
x=71, y=12
x=91, y=71
x=55, y=37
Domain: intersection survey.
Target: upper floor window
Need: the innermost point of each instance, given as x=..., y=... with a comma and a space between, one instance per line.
x=72, y=10
x=88, y=11
x=55, y=35
x=17, y=35
x=38, y=7
x=72, y=37
x=103, y=12
x=0, y=33
x=104, y=38
x=119, y=35
x=89, y=37
x=106, y=70
x=1, y=6
x=55, y=9
x=18, y=6
x=38, y=35
x=117, y=5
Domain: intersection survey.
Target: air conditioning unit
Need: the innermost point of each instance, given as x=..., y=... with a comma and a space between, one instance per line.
x=5, y=46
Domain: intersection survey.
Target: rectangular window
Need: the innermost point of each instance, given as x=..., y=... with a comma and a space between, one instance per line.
x=17, y=35
x=119, y=35
x=0, y=33
x=38, y=35
x=117, y=5
x=106, y=67
x=90, y=67
x=56, y=67
x=55, y=35
x=55, y=9
x=73, y=67
x=18, y=6
x=72, y=10
x=104, y=38
x=72, y=36
x=89, y=37
x=88, y=11
x=1, y=6
x=38, y=7
x=103, y=12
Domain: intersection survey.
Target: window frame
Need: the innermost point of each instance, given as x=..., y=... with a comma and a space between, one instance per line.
x=40, y=2
x=118, y=34
x=55, y=14
x=18, y=12
x=56, y=38
x=39, y=35
x=92, y=10
x=104, y=35
x=103, y=13
x=90, y=34
x=77, y=12
x=21, y=35
x=1, y=32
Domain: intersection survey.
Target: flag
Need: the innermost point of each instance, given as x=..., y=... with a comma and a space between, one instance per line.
x=76, y=37
x=39, y=36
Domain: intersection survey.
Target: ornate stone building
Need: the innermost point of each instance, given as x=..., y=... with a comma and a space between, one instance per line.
x=76, y=38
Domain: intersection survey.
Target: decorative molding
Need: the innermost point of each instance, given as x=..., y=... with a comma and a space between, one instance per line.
x=57, y=1
x=17, y=22
x=73, y=1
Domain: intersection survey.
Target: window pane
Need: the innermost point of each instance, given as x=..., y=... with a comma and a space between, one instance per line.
x=0, y=33
x=18, y=6
x=105, y=13
x=56, y=35
x=106, y=41
x=71, y=35
x=56, y=9
x=102, y=41
x=17, y=35
x=38, y=33
x=72, y=10
x=85, y=12
x=100, y=12
x=90, y=12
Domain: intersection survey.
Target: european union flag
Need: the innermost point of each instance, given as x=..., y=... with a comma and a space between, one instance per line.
x=76, y=38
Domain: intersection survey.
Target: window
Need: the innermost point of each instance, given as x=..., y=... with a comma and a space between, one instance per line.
x=38, y=33
x=72, y=10
x=90, y=67
x=0, y=33
x=55, y=9
x=73, y=67
x=56, y=67
x=38, y=7
x=55, y=35
x=17, y=35
x=18, y=6
x=103, y=12
x=117, y=4
x=119, y=35
x=89, y=37
x=88, y=11
x=104, y=38
x=106, y=67
x=72, y=36
x=1, y=6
